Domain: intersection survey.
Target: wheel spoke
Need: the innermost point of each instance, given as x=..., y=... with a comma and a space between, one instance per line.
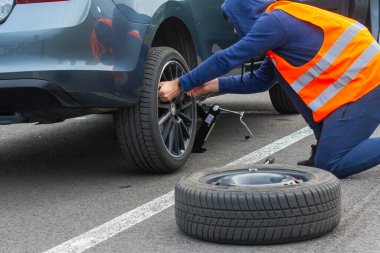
x=184, y=106
x=181, y=138
x=167, y=129
x=176, y=138
x=176, y=71
x=164, y=76
x=172, y=69
x=166, y=73
x=184, y=117
x=164, y=118
x=171, y=72
x=172, y=136
x=184, y=129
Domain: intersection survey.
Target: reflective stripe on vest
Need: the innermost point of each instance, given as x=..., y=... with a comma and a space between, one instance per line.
x=348, y=76
x=329, y=58
x=346, y=67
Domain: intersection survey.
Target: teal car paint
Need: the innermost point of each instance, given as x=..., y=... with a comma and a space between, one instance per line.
x=56, y=43
x=53, y=41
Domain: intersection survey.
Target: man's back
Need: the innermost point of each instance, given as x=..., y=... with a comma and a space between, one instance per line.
x=302, y=40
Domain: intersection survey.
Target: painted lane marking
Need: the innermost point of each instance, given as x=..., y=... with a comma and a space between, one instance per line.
x=274, y=147
x=131, y=218
x=115, y=226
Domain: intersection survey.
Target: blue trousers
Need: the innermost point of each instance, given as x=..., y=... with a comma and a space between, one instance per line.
x=344, y=144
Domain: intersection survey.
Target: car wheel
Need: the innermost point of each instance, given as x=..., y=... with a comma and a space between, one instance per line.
x=258, y=204
x=156, y=136
x=280, y=100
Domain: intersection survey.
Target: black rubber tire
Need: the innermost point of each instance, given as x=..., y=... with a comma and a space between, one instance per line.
x=280, y=100
x=137, y=128
x=266, y=215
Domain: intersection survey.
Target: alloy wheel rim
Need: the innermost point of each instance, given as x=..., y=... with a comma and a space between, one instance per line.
x=257, y=178
x=175, y=118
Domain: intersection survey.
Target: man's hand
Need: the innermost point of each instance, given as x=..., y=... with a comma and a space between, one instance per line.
x=169, y=90
x=209, y=87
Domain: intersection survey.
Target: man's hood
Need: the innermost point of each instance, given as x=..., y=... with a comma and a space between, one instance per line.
x=244, y=13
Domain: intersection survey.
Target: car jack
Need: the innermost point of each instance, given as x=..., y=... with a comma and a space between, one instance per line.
x=208, y=122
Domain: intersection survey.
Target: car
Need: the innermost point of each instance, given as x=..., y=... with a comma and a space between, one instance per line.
x=67, y=58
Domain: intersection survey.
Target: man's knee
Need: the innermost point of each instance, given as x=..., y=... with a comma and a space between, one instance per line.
x=322, y=163
x=325, y=162
x=332, y=166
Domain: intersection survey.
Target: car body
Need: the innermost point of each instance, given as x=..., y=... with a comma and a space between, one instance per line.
x=47, y=52
x=65, y=58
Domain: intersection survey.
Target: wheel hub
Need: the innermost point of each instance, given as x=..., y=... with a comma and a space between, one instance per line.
x=257, y=178
x=173, y=109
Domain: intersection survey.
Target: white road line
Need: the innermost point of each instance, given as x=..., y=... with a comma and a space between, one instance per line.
x=129, y=219
x=274, y=147
x=115, y=226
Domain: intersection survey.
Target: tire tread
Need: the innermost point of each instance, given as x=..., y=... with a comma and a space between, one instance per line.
x=134, y=125
x=258, y=217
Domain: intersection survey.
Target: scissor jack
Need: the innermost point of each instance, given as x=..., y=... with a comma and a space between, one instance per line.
x=208, y=122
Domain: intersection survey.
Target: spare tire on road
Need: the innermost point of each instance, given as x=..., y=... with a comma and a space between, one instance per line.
x=258, y=204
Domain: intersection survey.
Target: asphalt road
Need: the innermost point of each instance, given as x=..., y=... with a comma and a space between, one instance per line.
x=59, y=181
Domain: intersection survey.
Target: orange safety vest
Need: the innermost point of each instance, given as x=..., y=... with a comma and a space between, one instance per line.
x=346, y=67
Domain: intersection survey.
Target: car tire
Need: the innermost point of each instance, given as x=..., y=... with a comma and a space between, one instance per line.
x=156, y=136
x=244, y=213
x=280, y=100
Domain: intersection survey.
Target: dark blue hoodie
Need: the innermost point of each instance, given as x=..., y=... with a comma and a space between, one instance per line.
x=296, y=41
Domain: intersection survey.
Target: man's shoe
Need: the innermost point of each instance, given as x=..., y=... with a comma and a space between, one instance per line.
x=310, y=161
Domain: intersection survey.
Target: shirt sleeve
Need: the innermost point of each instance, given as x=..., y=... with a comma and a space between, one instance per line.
x=261, y=80
x=259, y=40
